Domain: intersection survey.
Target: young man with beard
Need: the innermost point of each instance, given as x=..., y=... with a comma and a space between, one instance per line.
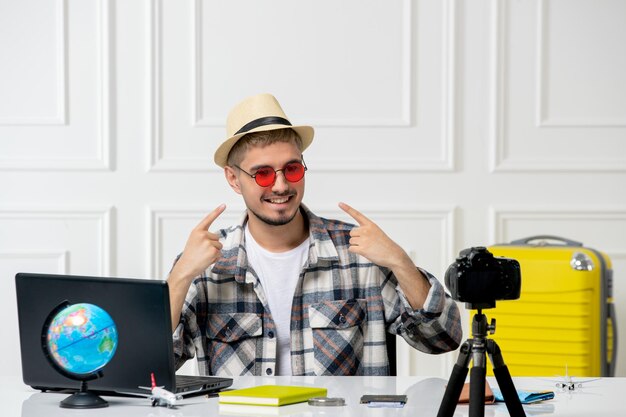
x=285, y=292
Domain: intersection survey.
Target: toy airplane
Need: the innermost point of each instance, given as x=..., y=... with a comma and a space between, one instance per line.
x=568, y=383
x=160, y=396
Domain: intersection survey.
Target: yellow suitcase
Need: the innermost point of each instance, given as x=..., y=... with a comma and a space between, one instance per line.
x=565, y=315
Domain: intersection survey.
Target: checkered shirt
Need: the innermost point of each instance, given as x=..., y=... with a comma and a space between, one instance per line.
x=342, y=310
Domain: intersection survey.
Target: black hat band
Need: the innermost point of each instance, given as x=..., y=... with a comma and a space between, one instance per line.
x=263, y=121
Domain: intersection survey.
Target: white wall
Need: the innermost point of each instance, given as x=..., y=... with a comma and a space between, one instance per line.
x=451, y=123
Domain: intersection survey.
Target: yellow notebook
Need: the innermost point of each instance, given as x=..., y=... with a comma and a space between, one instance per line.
x=272, y=395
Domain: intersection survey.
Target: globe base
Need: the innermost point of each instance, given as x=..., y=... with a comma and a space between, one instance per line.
x=83, y=399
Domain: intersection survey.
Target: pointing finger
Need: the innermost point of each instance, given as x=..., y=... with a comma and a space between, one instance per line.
x=210, y=218
x=355, y=214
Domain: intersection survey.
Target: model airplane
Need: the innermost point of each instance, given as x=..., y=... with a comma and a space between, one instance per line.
x=569, y=383
x=160, y=396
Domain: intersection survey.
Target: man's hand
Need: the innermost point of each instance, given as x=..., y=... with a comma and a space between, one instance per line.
x=202, y=249
x=371, y=242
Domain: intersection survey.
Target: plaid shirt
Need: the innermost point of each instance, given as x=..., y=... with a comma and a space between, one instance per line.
x=342, y=309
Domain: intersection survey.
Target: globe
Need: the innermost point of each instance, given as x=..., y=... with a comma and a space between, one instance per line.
x=81, y=339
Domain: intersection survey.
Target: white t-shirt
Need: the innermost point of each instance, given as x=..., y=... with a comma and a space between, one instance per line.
x=279, y=274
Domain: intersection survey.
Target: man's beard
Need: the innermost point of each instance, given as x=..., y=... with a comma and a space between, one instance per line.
x=280, y=221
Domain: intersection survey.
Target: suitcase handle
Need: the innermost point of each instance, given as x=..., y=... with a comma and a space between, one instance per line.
x=612, y=317
x=527, y=240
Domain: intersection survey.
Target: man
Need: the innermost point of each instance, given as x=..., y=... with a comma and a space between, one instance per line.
x=285, y=292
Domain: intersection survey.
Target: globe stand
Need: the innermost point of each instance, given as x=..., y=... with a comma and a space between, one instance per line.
x=84, y=399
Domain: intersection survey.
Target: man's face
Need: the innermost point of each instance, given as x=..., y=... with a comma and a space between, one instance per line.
x=275, y=204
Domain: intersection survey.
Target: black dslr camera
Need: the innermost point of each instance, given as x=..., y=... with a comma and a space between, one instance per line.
x=479, y=279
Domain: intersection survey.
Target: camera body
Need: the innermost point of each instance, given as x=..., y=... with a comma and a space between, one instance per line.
x=479, y=279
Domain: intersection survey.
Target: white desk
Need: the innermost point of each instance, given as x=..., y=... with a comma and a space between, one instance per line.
x=604, y=397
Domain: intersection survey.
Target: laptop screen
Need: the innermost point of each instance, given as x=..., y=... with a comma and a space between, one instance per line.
x=140, y=310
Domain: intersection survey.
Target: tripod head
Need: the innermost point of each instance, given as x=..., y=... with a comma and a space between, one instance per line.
x=480, y=328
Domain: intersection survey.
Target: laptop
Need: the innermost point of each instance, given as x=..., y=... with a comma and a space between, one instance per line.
x=140, y=309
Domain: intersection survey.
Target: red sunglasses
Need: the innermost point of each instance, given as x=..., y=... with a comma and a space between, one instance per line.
x=266, y=176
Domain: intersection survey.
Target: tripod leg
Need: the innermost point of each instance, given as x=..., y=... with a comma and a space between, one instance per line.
x=477, y=384
x=455, y=382
x=501, y=372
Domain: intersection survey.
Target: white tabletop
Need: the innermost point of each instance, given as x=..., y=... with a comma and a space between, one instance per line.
x=598, y=398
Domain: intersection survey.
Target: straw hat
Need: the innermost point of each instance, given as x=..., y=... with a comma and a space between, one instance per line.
x=258, y=113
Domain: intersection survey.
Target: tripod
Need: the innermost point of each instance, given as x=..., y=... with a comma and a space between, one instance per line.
x=475, y=349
